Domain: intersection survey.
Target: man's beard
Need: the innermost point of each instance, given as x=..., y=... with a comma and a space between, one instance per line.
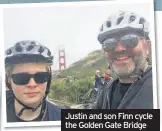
x=136, y=63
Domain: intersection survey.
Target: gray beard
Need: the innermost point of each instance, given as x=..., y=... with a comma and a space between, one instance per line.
x=134, y=68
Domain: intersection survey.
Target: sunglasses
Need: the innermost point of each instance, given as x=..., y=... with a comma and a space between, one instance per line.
x=24, y=78
x=129, y=41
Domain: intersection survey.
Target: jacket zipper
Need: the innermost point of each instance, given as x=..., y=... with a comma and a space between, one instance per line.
x=108, y=99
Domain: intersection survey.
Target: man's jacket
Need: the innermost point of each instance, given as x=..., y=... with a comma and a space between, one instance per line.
x=97, y=81
x=138, y=96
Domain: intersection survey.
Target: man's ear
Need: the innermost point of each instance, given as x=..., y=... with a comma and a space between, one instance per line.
x=148, y=47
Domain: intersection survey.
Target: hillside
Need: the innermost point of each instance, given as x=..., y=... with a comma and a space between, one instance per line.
x=75, y=84
x=86, y=66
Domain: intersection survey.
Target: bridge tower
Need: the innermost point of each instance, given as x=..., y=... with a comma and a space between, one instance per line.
x=62, y=58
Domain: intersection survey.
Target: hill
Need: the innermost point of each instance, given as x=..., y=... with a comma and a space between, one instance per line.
x=86, y=66
x=74, y=85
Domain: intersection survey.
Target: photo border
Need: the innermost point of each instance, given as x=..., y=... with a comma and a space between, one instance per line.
x=58, y=123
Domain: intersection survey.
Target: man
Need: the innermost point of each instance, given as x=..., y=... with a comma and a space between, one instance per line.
x=98, y=83
x=28, y=78
x=125, y=41
x=107, y=77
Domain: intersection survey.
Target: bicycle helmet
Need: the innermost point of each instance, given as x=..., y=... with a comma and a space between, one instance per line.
x=28, y=51
x=120, y=22
x=97, y=71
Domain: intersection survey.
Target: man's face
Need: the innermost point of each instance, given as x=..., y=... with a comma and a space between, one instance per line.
x=108, y=72
x=124, y=60
x=98, y=73
x=31, y=93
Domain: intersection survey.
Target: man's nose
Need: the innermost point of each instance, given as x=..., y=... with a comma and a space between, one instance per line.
x=32, y=83
x=119, y=47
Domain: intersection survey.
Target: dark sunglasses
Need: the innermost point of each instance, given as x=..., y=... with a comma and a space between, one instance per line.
x=24, y=78
x=129, y=41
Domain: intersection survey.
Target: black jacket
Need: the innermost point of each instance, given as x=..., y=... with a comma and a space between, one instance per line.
x=53, y=111
x=98, y=81
x=138, y=96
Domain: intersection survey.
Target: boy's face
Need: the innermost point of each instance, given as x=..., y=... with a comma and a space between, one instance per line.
x=31, y=93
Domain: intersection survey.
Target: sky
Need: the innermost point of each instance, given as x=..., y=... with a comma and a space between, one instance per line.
x=75, y=27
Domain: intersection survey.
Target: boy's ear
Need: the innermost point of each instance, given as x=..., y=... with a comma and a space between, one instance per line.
x=9, y=80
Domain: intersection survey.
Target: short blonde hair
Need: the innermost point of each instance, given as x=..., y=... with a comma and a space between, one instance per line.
x=9, y=68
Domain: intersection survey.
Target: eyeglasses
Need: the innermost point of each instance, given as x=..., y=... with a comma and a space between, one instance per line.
x=129, y=41
x=24, y=78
